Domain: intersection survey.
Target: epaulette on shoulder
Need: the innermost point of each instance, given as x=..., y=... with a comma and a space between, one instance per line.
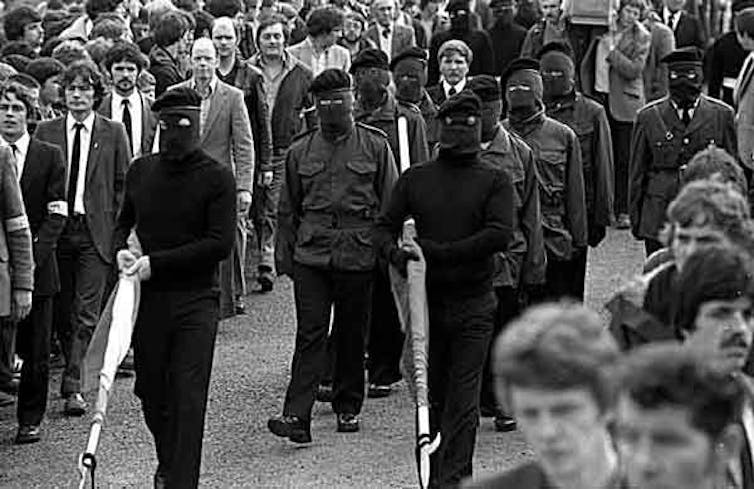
x=372, y=129
x=302, y=135
x=654, y=103
x=718, y=102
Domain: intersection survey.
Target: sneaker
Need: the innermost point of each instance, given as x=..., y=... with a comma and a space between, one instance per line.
x=348, y=423
x=266, y=280
x=74, y=405
x=294, y=428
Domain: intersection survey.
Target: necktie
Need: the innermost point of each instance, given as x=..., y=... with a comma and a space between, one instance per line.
x=75, y=155
x=386, y=32
x=452, y=92
x=127, y=123
x=14, y=149
x=686, y=116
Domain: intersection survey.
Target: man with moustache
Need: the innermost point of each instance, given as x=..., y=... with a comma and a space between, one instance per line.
x=353, y=34
x=454, y=57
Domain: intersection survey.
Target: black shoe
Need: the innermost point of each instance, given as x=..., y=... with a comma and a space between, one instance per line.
x=266, y=280
x=27, y=434
x=11, y=387
x=324, y=393
x=504, y=423
x=292, y=427
x=623, y=222
x=348, y=423
x=74, y=405
x=377, y=391
x=240, y=307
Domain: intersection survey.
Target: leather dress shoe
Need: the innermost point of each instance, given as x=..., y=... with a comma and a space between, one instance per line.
x=324, y=393
x=504, y=423
x=28, y=434
x=348, y=423
x=266, y=281
x=74, y=405
x=377, y=391
x=7, y=399
x=294, y=428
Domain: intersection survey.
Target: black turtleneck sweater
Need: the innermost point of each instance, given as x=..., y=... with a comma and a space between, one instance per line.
x=463, y=210
x=184, y=213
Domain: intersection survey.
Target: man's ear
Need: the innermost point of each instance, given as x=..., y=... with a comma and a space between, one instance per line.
x=729, y=444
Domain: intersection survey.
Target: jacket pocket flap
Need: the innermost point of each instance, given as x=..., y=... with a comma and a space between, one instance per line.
x=311, y=168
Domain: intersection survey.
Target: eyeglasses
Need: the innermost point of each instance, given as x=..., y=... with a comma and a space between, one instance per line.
x=17, y=108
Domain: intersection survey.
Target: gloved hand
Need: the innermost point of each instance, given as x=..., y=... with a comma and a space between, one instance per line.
x=399, y=259
x=596, y=235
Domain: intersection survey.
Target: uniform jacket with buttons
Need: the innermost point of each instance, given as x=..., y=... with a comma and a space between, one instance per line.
x=561, y=184
x=332, y=196
x=661, y=146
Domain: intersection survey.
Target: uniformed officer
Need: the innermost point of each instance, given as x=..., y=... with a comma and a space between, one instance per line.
x=667, y=134
x=464, y=212
x=523, y=263
x=182, y=204
x=560, y=174
x=338, y=177
x=588, y=120
x=410, y=78
x=377, y=107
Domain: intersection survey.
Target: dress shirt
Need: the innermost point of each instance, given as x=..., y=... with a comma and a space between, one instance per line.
x=671, y=19
x=272, y=82
x=386, y=41
x=135, y=108
x=205, y=102
x=458, y=87
x=86, y=139
x=22, y=148
x=679, y=110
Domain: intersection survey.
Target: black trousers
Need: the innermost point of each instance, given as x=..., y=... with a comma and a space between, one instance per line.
x=33, y=346
x=83, y=278
x=563, y=278
x=316, y=291
x=507, y=309
x=174, y=341
x=621, y=138
x=385, y=335
x=459, y=339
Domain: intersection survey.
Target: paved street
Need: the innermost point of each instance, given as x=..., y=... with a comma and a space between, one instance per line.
x=248, y=381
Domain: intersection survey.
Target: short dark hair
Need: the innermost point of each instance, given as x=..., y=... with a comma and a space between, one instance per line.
x=18, y=47
x=70, y=51
x=109, y=29
x=42, y=69
x=21, y=93
x=125, y=51
x=17, y=19
x=17, y=61
x=666, y=375
x=88, y=71
x=711, y=161
x=95, y=7
x=224, y=8
x=170, y=29
x=323, y=20
x=98, y=48
x=203, y=21
x=268, y=20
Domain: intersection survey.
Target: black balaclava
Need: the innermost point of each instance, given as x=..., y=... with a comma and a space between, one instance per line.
x=179, y=115
x=410, y=78
x=557, y=87
x=460, y=126
x=334, y=101
x=371, y=87
x=686, y=88
x=458, y=10
x=523, y=92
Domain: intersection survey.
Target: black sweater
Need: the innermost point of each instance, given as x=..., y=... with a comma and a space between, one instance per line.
x=464, y=214
x=185, y=217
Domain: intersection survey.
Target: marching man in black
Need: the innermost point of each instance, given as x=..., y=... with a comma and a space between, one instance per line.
x=182, y=204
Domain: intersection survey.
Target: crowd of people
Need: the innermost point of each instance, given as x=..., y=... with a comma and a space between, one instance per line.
x=201, y=146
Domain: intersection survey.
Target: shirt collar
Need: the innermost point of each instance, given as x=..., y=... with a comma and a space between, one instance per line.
x=314, y=48
x=88, y=122
x=22, y=144
x=212, y=84
x=666, y=13
x=134, y=100
x=458, y=86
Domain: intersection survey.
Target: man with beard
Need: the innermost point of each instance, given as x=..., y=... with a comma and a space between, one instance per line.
x=353, y=34
x=561, y=177
x=667, y=134
x=522, y=265
x=338, y=177
x=551, y=366
x=464, y=213
x=376, y=106
x=182, y=204
x=461, y=29
x=589, y=121
x=410, y=77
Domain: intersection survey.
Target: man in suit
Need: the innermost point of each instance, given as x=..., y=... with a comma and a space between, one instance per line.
x=319, y=51
x=725, y=59
x=98, y=154
x=454, y=58
x=226, y=136
x=688, y=29
x=42, y=171
x=743, y=92
x=564, y=418
x=389, y=36
x=125, y=103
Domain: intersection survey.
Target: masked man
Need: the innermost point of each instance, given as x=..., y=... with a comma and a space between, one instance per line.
x=182, y=204
x=464, y=213
x=338, y=177
x=561, y=177
x=589, y=121
x=410, y=77
x=667, y=134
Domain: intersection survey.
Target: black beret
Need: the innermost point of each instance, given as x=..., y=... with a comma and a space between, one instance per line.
x=179, y=97
x=518, y=65
x=745, y=20
x=329, y=80
x=455, y=5
x=739, y=5
x=485, y=87
x=689, y=54
x=414, y=52
x=464, y=104
x=556, y=47
x=370, y=58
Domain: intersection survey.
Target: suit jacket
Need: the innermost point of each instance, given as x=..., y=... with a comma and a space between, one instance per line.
x=655, y=71
x=403, y=38
x=43, y=185
x=689, y=31
x=149, y=120
x=227, y=132
x=109, y=156
x=744, y=97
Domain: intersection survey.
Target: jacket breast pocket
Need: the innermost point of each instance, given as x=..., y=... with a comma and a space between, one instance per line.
x=314, y=189
x=551, y=166
x=360, y=181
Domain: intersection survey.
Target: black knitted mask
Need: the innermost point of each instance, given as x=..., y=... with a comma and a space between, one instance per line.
x=179, y=132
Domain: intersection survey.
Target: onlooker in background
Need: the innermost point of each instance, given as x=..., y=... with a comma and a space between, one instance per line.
x=18, y=47
x=111, y=29
x=23, y=23
x=428, y=18
x=687, y=28
x=17, y=61
x=286, y=87
x=506, y=36
x=225, y=8
x=98, y=155
x=454, y=57
x=353, y=34
x=725, y=59
x=42, y=172
x=744, y=90
x=461, y=28
x=613, y=72
x=47, y=72
x=528, y=13
x=662, y=44
x=171, y=36
x=82, y=26
x=32, y=88
x=319, y=50
x=97, y=49
x=552, y=26
x=70, y=51
x=389, y=36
